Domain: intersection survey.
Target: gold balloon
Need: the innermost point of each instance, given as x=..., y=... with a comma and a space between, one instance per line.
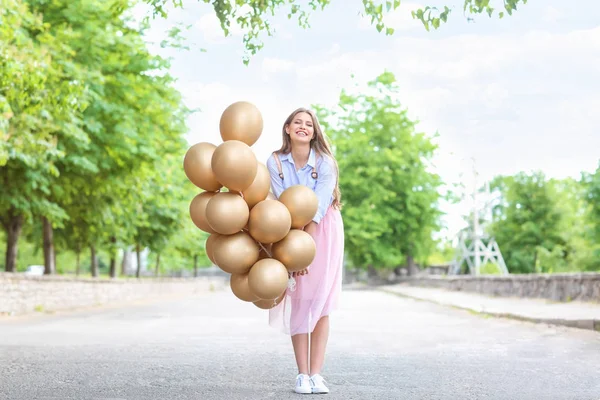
x=234, y=165
x=197, y=166
x=236, y=253
x=227, y=213
x=198, y=208
x=267, y=278
x=241, y=121
x=269, y=221
x=211, y=245
x=302, y=203
x=259, y=189
x=268, y=304
x=296, y=251
x=239, y=287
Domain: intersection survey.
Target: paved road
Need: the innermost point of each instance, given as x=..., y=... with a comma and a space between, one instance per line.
x=216, y=347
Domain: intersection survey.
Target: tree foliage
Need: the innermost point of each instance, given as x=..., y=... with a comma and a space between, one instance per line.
x=526, y=219
x=253, y=16
x=433, y=17
x=40, y=96
x=92, y=135
x=93, y=127
x=545, y=225
x=592, y=186
x=389, y=195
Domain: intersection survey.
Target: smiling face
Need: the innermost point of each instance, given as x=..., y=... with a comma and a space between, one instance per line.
x=301, y=129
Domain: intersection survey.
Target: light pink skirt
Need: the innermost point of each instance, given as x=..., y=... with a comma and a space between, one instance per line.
x=316, y=294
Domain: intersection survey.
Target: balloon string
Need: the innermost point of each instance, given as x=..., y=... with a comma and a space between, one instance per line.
x=264, y=248
x=291, y=283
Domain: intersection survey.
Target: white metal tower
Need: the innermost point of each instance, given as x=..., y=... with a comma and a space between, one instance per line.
x=475, y=246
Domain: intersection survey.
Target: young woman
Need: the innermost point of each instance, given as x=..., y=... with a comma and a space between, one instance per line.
x=305, y=158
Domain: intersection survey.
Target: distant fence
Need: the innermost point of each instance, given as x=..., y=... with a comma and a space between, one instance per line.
x=556, y=287
x=21, y=294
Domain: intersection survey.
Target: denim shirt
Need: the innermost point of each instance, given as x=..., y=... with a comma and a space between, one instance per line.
x=323, y=186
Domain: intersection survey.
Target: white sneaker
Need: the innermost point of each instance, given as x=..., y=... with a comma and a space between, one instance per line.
x=318, y=384
x=303, y=384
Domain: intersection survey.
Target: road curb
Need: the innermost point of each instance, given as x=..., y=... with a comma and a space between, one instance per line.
x=588, y=324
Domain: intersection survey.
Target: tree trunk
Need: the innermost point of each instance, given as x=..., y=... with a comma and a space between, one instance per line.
x=412, y=268
x=49, y=256
x=195, y=266
x=371, y=271
x=138, y=253
x=13, y=226
x=124, y=262
x=94, y=267
x=157, y=264
x=113, y=258
x=78, y=262
x=54, y=255
x=113, y=266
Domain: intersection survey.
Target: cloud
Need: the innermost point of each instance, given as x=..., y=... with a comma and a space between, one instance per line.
x=520, y=101
x=510, y=101
x=334, y=49
x=552, y=14
x=210, y=27
x=275, y=65
x=213, y=98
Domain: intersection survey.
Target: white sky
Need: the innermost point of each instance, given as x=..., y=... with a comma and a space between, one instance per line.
x=517, y=94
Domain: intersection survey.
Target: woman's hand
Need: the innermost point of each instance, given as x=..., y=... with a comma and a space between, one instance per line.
x=300, y=273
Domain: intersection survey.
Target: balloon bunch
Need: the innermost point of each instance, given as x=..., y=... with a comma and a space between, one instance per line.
x=255, y=237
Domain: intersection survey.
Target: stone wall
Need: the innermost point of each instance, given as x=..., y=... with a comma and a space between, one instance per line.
x=557, y=287
x=21, y=294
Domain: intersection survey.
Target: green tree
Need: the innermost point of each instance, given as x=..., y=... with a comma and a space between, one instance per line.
x=163, y=206
x=527, y=221
x=253, y=15
x=390, y=196
x=39, y=96
x=591, y=184
x=87, y=113
x=582, y=251
x=189, y=244
x=546, y=225
x=134, y=119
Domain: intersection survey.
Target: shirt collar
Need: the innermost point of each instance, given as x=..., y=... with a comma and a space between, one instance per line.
x=311, y=158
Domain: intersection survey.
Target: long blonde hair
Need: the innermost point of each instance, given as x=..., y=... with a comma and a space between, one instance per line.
x=321, y=146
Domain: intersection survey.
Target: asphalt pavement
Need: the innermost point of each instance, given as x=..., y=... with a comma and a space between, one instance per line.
x=214, y=346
